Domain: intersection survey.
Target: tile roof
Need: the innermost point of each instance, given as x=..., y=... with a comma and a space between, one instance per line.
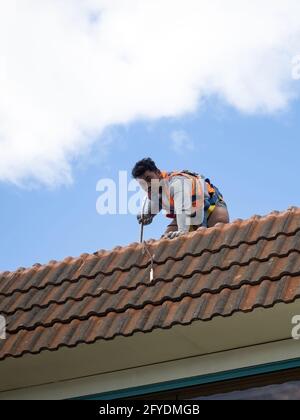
x=211, y=272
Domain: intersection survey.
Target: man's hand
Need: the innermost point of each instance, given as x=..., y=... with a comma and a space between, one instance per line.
x=172, y=235
x=147, y=219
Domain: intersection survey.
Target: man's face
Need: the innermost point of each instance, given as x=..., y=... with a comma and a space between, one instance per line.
x=146, y=180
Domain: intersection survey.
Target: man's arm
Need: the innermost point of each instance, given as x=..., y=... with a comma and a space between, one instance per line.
x=149, y=211
x=182, y=193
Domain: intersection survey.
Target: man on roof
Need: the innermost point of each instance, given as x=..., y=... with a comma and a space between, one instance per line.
x=188, y=198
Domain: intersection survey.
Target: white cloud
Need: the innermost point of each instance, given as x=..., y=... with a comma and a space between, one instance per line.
x=181, y=142
x=69, y=69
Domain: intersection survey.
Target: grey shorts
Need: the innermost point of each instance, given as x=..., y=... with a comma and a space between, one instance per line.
x=219, y=203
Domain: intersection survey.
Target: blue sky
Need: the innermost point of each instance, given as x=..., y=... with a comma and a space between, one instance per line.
x=88, y=88
x=253, y=160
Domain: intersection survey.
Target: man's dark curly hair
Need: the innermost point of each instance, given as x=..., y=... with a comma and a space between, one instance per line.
x=142, y=166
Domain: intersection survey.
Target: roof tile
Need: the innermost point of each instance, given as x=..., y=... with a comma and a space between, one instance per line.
x=211, y=272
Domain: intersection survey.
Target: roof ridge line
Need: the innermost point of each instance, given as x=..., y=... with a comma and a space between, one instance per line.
x=121, y=249
x=144, y=266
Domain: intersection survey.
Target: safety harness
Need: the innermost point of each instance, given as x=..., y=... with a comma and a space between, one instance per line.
x=211, y=193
